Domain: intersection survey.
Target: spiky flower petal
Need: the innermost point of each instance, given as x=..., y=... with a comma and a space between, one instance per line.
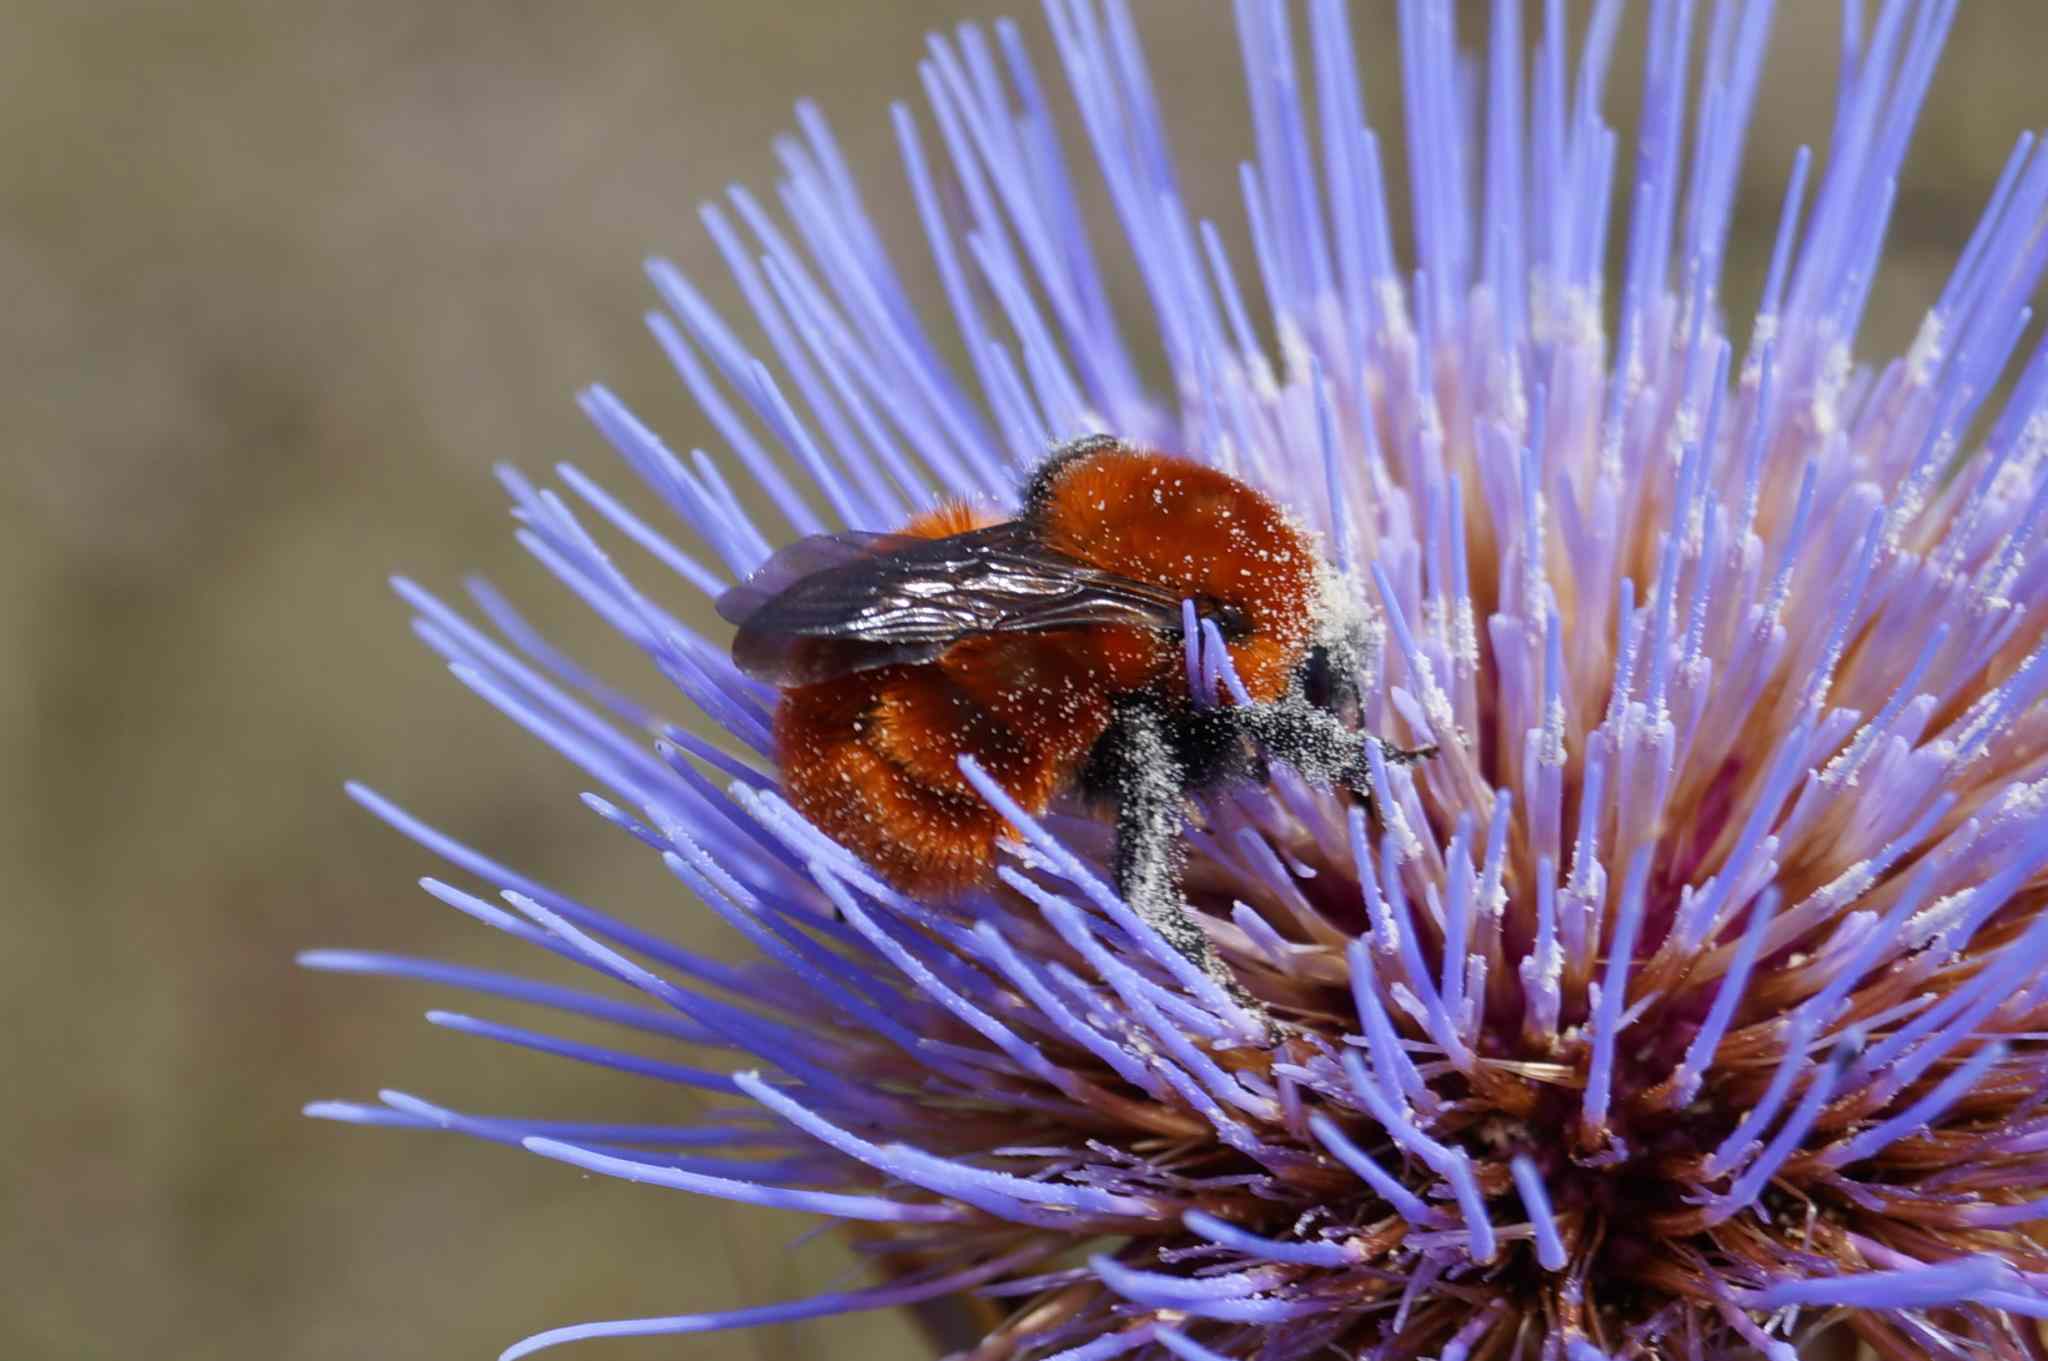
x=1686, y=1004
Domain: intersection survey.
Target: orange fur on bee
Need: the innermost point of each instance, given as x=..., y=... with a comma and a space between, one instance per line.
x=872, y=758
x=1204, y=533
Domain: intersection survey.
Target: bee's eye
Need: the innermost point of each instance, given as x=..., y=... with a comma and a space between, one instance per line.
x=1231, y=620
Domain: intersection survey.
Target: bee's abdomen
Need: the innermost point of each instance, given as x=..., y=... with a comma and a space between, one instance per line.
x=872, y=759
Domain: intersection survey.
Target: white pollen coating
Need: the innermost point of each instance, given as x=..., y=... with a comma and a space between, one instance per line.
x=1939, y=917
x=1552, y=751
x=1837, y=367
x=1340, y=613
x=2032, y=446
x=2023, y=804
x=1925, y=354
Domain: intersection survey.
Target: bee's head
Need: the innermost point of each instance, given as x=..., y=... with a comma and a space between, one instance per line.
x=1328, y=676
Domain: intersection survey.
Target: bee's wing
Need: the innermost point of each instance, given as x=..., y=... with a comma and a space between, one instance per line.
x=811, y=556
x=833, y=604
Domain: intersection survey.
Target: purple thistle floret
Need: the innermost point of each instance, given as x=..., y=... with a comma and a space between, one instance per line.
x=1685, y=1004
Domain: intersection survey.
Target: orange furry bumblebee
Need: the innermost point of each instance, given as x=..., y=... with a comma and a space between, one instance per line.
x=1047, y=647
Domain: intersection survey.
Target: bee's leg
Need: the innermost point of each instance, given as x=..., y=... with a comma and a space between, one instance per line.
x=1148, y=773
x=1145, y=765
x=1319, y=744
x=1135, y=768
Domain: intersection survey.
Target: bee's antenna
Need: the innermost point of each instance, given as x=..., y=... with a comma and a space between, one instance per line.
x=1319, y=744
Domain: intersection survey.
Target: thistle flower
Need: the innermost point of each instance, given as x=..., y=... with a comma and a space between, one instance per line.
x=1685, y=1004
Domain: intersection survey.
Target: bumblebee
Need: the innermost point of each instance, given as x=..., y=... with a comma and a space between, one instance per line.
x=1050, y=648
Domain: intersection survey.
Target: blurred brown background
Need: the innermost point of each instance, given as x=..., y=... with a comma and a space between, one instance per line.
x=278, y=283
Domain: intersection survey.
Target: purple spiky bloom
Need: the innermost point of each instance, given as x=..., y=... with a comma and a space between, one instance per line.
x=1686, y=1004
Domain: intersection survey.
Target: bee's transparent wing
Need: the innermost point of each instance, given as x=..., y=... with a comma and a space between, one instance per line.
x=834, y=604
